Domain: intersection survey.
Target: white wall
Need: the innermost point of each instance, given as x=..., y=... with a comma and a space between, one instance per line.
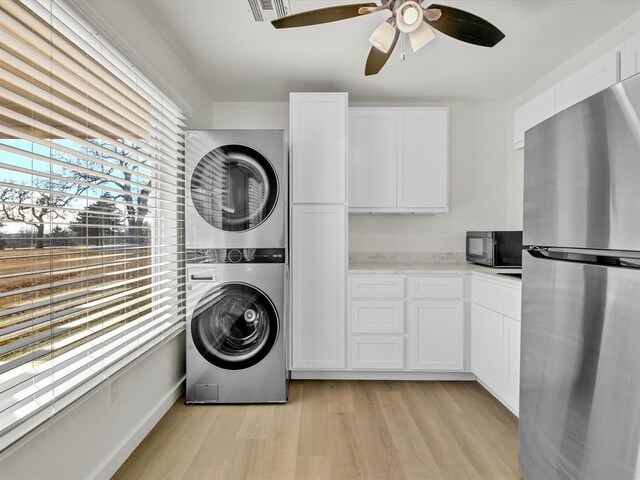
x=91, y=439
x=613, y=39
x=126, y=27
x=479, y=193
x=251, y=115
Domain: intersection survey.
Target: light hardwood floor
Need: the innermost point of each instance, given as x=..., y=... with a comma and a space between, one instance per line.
x=337, y=430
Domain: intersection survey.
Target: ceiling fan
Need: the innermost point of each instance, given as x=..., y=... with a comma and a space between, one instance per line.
x=407, y=16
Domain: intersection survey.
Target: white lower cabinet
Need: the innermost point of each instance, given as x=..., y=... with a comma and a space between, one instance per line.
x=432, y=306
x=376, y=320
x=495, y=340
x=440, y=331
x=512, y=350
x=487, y=346
x=379, y=352
x=436, y=335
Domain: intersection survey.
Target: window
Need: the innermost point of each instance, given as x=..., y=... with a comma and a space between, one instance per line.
x=91, y=213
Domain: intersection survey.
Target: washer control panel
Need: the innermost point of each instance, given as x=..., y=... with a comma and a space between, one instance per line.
x=236, y=255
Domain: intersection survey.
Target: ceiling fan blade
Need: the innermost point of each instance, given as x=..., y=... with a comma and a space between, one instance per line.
x=465, y=26
x=322, y=15
x=377, y=58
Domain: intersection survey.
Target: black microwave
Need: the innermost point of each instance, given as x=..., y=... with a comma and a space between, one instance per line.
x=495, y=249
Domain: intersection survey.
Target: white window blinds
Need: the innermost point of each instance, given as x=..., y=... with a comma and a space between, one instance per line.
x=91, y=213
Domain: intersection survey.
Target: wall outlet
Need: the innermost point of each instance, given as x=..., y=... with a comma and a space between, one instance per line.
x=114, y=390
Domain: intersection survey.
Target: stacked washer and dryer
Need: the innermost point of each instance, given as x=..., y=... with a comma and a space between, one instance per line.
x=236, y=239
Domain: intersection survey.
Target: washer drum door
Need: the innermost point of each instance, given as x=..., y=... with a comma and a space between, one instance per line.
x=234, y=188
x=234, y=326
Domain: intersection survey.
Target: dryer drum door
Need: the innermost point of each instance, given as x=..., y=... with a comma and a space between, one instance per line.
x=234, y=188
x=234, y=326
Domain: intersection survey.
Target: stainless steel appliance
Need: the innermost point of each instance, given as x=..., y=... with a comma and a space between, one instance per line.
x=495, y=248
x=236, y=189
x=580, y=368
x=236, y=326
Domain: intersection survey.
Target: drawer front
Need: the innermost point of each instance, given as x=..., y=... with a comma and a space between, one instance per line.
x=436, y=287
x=377, y=286
x=377, y=316
x=377, y=352
x=503, y=299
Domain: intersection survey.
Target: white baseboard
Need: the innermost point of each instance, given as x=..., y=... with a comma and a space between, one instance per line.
x=499, y=398
x=121, y=452
x=390, y=375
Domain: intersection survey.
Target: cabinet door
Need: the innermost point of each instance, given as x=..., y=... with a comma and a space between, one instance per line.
x=436, y=335
x=423, y=153
x=532, y=113
x=372, y=158
x=512, y=351
x=488, y=357
x=318, y=147
x=318, y=259
x=596, y=76
x=630, y=62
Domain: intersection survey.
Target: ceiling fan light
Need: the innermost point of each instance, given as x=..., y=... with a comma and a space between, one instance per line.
x=382, y=37
x=409, y=16
x=421, y=36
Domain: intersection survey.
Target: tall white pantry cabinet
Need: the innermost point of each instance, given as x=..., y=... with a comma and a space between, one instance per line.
x=318, y=156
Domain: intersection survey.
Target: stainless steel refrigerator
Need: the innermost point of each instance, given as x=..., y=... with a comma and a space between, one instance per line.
x=580, y=366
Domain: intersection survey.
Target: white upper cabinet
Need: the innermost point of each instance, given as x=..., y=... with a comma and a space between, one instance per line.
x=532, y=113
x=423, y=159
x=373, y=148
x=398, y=160
x=596, y=76
x=630, y=64
x=318, y=143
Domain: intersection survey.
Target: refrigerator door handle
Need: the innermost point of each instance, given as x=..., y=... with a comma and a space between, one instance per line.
x=607, y=258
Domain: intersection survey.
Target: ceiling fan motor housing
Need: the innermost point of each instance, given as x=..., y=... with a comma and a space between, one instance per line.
x=408, y=16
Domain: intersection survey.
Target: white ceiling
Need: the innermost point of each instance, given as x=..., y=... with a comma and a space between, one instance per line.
x=243, y=60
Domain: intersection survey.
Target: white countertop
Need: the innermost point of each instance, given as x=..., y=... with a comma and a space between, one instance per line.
x=434, y=269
